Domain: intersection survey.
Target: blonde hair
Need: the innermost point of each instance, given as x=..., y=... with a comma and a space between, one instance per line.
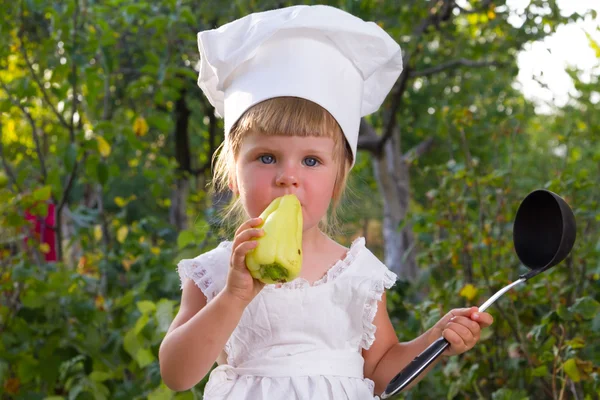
x=281, y=116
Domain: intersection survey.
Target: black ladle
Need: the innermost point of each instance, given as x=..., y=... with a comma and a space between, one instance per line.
x=543, y=235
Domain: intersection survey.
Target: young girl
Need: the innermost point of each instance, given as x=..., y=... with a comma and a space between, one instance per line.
x=292, y=85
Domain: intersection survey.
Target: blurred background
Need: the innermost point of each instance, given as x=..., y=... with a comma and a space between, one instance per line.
x=106, y=145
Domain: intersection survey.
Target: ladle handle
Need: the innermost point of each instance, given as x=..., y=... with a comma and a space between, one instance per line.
x=499, y=293
x=431, y=353
x=416, y=366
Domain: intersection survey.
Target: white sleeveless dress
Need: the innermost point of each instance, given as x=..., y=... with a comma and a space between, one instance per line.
x=298, y=341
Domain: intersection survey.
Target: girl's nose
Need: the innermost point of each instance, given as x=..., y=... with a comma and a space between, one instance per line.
x=287, y=177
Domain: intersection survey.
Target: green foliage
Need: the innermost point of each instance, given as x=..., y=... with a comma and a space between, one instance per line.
x=545, y=332
x=90, y=325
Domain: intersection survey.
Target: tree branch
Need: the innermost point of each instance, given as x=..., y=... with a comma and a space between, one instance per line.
x=418, y=150
x=453, y=64
x=67, y=189
x=367, y=137
x=34, y=130
x=35, y=77
x=396, y=102
x=181, y=133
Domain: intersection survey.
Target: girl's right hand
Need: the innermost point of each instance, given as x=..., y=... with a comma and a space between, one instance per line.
x=239, y=281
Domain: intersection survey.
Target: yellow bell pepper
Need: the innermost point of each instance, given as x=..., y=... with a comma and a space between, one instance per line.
x=278, y=256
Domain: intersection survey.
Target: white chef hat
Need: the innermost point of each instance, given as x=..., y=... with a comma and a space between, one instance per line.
x=319, y=53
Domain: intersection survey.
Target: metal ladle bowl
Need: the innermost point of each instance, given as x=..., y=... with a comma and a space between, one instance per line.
x=544, y=231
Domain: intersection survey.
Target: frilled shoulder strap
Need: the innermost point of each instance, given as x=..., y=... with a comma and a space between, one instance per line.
x=379, y=278
x=208, y=270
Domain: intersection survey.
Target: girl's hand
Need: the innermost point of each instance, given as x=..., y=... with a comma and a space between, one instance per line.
x=239, y=281
x=461, y=327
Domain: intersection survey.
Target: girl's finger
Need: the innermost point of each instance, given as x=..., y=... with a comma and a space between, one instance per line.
x=245, y=235
x=248, y=224
x=248, y=234
x=468, y=323
x=454, y=339
x=238, y=258
x=483, y=319
x=465, y=333
x=465, y=312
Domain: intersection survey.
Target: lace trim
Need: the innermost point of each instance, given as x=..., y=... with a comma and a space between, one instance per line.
x=370, y=385
x=332, y=273
x=370, y=308
x=229, y=351
x=202, y=276
x=192, y=269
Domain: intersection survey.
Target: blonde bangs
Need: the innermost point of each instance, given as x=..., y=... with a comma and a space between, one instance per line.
x=289, y=116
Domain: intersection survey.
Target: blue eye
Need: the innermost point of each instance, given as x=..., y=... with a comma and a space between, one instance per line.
x=267, y=157
x=311, y=161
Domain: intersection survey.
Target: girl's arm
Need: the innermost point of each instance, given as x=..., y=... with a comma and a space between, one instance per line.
x=197, y=336
x=200, y=331
x=387, y=356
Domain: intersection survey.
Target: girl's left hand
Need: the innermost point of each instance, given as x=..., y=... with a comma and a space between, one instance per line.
x=461, y=327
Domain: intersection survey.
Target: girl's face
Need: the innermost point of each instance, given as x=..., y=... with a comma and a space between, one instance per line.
x=268, y=167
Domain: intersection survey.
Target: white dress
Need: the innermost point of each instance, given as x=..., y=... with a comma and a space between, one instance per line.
x=297, y=340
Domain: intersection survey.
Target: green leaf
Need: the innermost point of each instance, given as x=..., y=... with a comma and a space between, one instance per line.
x=125, y=300
x=146, y=306
x=586, y=307
x=100, y=391
x=103, y=146
x=187, y=15
x=540, y=371
x=570, y=367
x=189, y=395
x=161, y=122
x=564, y=313
x=93, y=85
x=101, y=376
x=39, y=209
x=54, y=180
x=144, y=357
x=141, y=323
x=3, y=370
x=131, y=343
x=576, y=343
x=596, y=323
x=164, y=314
x=27, y=369
x=453, y=390
x=102, y=172
x=161, y=393
x=43, y=193
x=134, y=9
x=508, y=394
x=185, y=238
x=593, y=44
x=70, y=157
x=76, y=390
x=31, y=299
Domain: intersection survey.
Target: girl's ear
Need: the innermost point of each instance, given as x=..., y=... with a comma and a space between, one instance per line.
x=232, y=185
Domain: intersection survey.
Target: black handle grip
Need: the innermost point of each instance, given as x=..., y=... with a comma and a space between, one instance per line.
x=416, y=366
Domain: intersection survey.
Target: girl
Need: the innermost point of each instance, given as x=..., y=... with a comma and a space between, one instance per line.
x=292, y=85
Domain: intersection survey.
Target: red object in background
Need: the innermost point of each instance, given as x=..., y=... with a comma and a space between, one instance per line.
x=44, y=231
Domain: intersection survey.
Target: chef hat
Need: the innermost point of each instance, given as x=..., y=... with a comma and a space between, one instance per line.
x=319, y=53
